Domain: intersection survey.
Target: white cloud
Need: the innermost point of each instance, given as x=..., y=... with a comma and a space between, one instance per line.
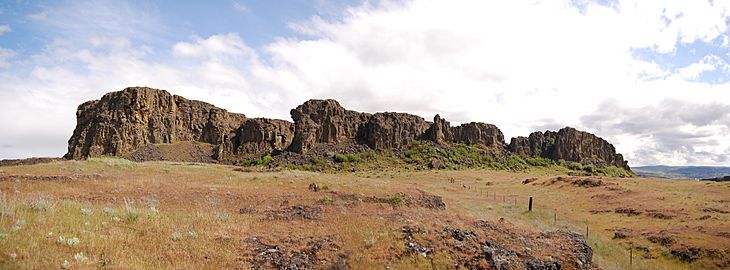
x=4, y=28
x=217, y=46
x=672, y=132
x=707, y=63
x=240, y=7
x=520, y=65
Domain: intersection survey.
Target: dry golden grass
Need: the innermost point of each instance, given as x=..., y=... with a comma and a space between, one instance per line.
x=186, y=216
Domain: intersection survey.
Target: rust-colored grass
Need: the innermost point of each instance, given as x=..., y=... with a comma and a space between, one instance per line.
x=201, y=216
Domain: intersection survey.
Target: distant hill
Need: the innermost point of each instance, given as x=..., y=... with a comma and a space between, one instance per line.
x=682, y=172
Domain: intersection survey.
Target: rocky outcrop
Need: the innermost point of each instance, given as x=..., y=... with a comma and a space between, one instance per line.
x=122, y=121
x=488, y=135
x=440, y=131
x=571, y=145
x=391, y=130
x=127, y=122
x=479, y=133
x=325, y=122
x=258, y=136
x=538, y=144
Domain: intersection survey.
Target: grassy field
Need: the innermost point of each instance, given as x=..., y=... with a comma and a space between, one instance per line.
x=113, y=213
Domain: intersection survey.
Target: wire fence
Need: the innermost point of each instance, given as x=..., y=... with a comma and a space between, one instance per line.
x=530, y=205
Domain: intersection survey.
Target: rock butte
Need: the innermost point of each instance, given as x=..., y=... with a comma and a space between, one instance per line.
x=124, y=121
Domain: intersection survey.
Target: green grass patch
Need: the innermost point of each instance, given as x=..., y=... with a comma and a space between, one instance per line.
x=261, y=161
x=421, y=155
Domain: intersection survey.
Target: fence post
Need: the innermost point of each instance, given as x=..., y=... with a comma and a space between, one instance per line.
x=555, y=217
x=530, y=207
x=631, y=254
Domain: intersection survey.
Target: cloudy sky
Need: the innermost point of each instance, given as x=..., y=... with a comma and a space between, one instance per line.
x=652, y=77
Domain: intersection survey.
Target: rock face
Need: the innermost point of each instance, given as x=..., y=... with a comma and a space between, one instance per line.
x=474, y=133
x=132, y=121
x=440, y=131
x=571, y=145
x=122, y=121
x=325, y=121
x=538, y=144
x=259, y=136
x=393, y=130
x=479, y=133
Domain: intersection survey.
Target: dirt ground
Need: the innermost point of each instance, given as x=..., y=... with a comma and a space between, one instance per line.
x=113, y=213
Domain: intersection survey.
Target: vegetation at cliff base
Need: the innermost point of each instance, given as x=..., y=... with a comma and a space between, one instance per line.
x=423, y=155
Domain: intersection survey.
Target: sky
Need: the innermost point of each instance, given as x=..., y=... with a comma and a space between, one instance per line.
x=650, y=76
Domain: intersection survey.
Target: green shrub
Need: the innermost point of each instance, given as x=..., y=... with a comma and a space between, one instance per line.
x=590, y=169
x=340, y=158
x=262, y=161
x=347, y=158
x=571, y=165
x=326, y=201
x=513, y=163
x=539, y=161
x=395, y=199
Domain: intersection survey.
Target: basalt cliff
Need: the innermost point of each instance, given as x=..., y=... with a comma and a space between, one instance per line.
x=141, y=122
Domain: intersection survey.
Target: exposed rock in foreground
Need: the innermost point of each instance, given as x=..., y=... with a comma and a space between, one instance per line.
x=128, y=121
